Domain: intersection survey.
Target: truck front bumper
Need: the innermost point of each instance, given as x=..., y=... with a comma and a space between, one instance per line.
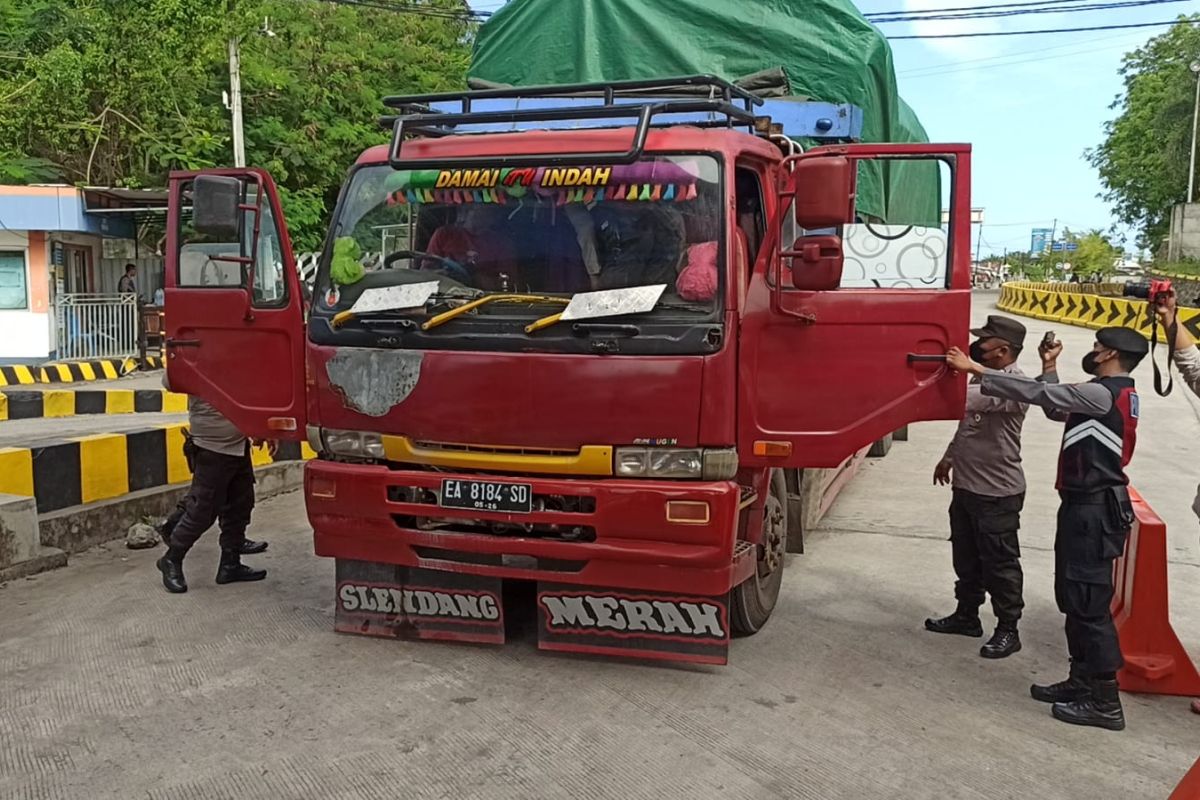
x=624, y=537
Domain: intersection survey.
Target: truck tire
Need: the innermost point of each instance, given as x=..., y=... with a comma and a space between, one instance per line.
x=752, y=601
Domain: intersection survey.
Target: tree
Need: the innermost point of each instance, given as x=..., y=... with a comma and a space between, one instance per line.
x=1143, y=160
x=121, y=92
x=1095, y=255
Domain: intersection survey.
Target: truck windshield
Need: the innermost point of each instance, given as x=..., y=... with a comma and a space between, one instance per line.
x=545, y=232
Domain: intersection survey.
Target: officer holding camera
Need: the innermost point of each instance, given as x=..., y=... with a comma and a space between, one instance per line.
x=1095, y=515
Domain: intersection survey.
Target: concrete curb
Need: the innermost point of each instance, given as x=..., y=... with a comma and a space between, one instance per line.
x=107, y=369
x=88, y=469
x=76, y=528
x=76, y=402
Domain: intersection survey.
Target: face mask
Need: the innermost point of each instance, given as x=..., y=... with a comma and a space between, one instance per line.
x=1090, y=365
x=977, y=353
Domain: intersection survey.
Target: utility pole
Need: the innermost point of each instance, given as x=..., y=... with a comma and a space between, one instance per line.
x=235, y=101
x=1195, y=68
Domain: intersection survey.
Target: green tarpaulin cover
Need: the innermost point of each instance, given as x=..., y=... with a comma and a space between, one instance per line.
x=828, y=50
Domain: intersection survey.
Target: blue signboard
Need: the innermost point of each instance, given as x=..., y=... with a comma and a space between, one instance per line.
x=1039, y=241
x=1059, y=247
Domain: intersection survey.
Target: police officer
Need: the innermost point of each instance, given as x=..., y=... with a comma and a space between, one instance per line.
x=983, y=462
x=222, y=490
x=1095, y=515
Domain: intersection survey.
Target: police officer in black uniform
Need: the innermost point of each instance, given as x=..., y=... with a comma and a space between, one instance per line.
x=1096, y=514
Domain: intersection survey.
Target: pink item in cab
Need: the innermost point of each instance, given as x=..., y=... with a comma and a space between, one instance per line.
x=697, y=282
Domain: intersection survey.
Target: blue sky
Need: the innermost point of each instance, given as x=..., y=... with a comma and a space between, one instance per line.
x=1030, y=105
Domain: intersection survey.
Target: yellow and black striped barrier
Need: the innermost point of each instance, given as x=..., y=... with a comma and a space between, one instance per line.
x=108, y=369
x=17, y=404
x=87, y=469
x=1088, y=310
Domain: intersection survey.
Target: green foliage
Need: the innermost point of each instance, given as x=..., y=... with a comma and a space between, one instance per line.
x=121, y=92
x=1096, y=255
x=1188, y=266
x=1143, y=160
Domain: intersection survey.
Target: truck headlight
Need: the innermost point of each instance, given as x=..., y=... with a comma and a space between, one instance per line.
x=675, y=462
x=353, y=444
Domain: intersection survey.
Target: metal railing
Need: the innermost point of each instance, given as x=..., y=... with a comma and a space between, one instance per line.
x=94, y=326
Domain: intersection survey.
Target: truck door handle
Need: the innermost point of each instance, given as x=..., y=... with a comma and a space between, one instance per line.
x=914, y=358
x=182, y=342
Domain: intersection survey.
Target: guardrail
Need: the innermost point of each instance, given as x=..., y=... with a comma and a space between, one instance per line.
x=96, y=326
x=1090, y=310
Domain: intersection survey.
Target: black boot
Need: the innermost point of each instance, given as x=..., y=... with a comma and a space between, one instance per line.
x=1073, y=688
x=171, y=567
x=232, y=570
x=249, y=547
x=1100, y=709
x=1004, y=642
x=961, y=622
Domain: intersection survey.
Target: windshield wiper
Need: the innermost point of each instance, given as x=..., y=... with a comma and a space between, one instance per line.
x=453, y=313
x=342, y=317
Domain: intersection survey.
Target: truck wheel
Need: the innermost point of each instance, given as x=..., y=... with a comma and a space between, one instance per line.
x=753, y=600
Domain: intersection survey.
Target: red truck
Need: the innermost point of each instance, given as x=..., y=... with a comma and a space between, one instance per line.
x=588, y=338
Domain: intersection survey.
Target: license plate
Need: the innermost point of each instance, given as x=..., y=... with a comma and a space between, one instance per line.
x=515, y=498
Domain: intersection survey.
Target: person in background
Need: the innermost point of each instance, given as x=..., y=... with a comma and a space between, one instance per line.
x=222, y=490
x=159, y=297
x=128, y=282
x=1187, y=358
x=984, y=459
x=1096, y=513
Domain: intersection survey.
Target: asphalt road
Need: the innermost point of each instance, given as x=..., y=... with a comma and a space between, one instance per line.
x=114, y=689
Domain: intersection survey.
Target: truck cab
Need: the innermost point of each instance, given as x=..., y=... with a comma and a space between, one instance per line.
x=587, y=337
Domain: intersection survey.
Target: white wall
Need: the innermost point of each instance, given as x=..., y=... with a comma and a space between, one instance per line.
x=23, y=334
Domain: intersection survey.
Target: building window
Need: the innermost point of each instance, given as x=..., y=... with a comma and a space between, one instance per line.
x=14, y=294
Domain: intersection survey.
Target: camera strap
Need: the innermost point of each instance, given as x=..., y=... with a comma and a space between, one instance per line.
x=1169, y=332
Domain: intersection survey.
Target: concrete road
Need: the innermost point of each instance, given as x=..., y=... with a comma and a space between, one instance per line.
x=26, y=432
x=114, y=689
x=136, y=380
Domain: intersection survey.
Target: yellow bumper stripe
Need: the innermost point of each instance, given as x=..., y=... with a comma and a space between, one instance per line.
x=590, y=460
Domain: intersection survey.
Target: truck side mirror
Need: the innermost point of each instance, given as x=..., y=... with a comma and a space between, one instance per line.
x=816, y=263
x=215, y=206
x=824, y=192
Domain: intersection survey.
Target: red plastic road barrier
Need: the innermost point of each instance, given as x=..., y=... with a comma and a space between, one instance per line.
x=1189, y=787
x=1155, y=660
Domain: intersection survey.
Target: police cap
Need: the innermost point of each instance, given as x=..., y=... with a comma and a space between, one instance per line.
x=1124, y=340
x=1005, y=328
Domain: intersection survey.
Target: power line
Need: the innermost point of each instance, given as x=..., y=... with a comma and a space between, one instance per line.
x=933, y=73
x=1038, y=31
x=941, y=65
x=1029, y=3
x=431, y=12
x=1077, y=9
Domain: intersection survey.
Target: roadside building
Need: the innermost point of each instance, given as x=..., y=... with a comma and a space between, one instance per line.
x=63, y=251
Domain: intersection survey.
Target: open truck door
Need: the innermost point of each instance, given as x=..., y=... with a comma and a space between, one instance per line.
x=848, y=317
x=234, y=306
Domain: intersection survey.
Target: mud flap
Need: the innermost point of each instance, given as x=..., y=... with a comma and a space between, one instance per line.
x=376, y=599
x=619, y=622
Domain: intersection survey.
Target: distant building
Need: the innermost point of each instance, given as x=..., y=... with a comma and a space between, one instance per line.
x=60, y=240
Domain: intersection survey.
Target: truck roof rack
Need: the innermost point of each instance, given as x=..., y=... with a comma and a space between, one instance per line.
x=696, y=100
